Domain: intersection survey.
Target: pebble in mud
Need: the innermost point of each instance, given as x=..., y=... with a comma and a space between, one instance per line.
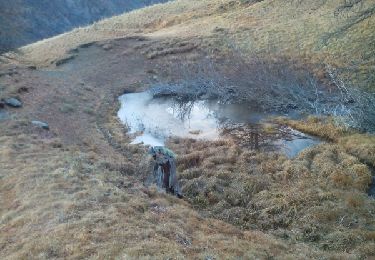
x=40, y=124
x=13, y=102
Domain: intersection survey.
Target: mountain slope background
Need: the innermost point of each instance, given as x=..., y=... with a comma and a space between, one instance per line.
x=319, y=33
x=79, y=190
x=26, y=21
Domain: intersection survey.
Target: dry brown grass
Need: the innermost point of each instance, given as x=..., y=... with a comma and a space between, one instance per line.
x=317, y=197
x=360, y=145
x=72, y=202
x=61, y=203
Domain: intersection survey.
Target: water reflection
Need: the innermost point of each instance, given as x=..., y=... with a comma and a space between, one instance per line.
x=152, y=120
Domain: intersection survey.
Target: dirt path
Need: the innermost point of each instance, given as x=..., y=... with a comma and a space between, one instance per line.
x=72, y=96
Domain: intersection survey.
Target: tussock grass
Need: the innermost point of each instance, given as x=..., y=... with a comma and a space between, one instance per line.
x=317, y=197
x=360, y=145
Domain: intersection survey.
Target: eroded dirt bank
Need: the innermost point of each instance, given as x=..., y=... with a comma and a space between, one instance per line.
x=315, y=205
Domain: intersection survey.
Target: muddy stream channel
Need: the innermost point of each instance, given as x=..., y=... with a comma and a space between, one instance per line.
x=151, y=121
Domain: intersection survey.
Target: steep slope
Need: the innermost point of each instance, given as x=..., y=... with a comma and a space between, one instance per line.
x=79, y=190
x=23, y=22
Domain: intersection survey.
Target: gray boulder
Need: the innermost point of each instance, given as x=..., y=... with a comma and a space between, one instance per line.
x=13, y=102
x=40, y=124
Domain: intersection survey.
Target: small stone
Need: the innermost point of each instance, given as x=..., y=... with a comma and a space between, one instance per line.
x=195, y=132
x=13, y=102
x=88, y=88
x=107, y=47
x=40, y=124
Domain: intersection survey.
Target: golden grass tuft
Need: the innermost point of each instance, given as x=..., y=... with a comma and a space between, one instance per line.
x=360, y=145
x=323, y=127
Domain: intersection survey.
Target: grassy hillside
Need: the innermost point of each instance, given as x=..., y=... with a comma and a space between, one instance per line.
x=334, y=32
x=23, y=22
x=79, y=189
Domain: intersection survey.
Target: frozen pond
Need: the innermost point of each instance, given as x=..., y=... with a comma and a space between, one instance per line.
x=153, y=120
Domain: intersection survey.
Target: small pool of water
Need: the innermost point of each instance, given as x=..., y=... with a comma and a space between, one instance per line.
x=152, y=121
x=292, y=147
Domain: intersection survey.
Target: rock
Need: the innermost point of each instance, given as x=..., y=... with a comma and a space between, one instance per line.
x=195, y=132
x=40, y=124
x=87, y=88
x=2, y=104
x=13, y=102
x=107, y=47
